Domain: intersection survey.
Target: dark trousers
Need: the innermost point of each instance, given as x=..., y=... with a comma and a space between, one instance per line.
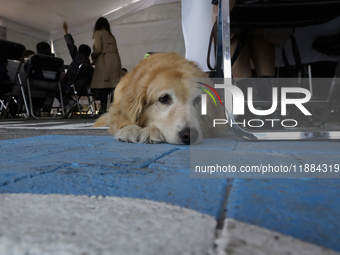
x=103, y=95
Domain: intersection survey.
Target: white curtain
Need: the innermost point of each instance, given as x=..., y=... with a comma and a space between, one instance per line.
x=25, y=35
x=197, y=25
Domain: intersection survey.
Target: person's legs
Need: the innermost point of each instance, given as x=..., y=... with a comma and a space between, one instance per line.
x=241, y=71
x=241, y=68
x=262, y=53
x=103, y=95
x=263, y=57
x=103, y=101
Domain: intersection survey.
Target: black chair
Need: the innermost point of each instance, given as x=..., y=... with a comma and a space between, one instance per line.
x=280, y=13
x=43, y=81
x=12, y=90
x=80, y=88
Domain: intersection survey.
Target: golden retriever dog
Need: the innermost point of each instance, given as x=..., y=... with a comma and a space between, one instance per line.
x=154, y=104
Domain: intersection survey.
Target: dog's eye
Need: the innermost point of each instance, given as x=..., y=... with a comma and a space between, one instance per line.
x=166, y=99
x=197, y=100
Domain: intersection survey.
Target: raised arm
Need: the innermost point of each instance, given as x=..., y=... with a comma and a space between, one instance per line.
x=69, y=41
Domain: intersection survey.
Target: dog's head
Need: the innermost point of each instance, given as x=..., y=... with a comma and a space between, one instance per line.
x=157, y=93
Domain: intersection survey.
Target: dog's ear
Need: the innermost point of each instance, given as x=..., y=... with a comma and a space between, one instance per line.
x=137, y=104
x=131, y=99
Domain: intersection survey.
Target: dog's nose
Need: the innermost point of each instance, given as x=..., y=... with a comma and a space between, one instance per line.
x=188, y=135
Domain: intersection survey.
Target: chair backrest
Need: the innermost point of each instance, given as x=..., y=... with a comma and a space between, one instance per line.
x=284, y=13
x=85, y=72
x=47, y=67
x=11, y=50
x=83, y=77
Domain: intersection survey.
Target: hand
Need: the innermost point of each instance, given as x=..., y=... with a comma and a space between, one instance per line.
x=65, y=27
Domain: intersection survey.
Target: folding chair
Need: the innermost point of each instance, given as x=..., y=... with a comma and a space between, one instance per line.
x=314, y=11
x=15, y=52
x=43, y=81
x=79, y=88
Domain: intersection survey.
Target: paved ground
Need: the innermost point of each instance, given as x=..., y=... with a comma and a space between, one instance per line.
x=66, y=188
x=11, y=129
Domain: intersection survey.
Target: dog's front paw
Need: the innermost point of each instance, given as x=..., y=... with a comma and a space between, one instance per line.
x=151, y=134
x=129, y=134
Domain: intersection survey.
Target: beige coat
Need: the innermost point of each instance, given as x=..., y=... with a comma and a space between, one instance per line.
x=107, y=61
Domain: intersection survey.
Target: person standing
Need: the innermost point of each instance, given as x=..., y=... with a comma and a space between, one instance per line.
x=107, y=62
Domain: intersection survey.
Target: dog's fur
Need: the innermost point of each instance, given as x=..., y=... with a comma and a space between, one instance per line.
x=137, y=113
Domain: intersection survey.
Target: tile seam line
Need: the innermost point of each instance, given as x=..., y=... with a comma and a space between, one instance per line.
x=31, y=176
x=235, y=146
x=223, y=213
x=147, y=164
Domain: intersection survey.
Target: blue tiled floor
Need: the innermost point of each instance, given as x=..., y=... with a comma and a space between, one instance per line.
x=308, y=209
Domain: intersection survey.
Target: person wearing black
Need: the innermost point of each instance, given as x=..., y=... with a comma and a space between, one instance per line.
x=4, y=77
x=6, y=86
x=79, y=57
x=42, y=104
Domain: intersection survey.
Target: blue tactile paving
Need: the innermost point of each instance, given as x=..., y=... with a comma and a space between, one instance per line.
x=88, y=165
x=305, y=209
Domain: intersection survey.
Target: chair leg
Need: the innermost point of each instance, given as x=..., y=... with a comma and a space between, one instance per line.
x=62, y=101
x=91, y=105
x=30, y=100
x=27, y=115
x=3, y=107
x=76, y=97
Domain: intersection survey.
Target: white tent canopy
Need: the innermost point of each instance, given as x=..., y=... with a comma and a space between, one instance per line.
x=138, y=25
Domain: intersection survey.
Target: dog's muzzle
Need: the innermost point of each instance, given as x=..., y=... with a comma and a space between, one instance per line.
x=188, y=135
